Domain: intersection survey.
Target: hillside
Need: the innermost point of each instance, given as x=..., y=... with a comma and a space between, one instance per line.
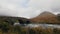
x=45, y=17
x=10, y=19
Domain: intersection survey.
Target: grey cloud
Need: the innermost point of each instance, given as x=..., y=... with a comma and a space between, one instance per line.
x=28, y=9
x=55, y=6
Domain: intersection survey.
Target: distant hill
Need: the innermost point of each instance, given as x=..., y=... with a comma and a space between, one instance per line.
x=45, y=17
x=10, y=19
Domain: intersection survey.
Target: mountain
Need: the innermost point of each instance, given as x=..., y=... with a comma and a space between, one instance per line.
x=45, y=17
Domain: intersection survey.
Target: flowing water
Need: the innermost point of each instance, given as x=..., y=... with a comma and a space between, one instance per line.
x=40, y=25
x=43, y=25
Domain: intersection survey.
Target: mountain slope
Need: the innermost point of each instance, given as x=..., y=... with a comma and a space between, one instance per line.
x=10, y=19
x=45, y=17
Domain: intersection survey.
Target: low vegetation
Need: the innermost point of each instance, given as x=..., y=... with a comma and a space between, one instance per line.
x=7, y=27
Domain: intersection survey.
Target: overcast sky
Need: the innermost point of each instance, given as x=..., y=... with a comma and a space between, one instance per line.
x=28, y=8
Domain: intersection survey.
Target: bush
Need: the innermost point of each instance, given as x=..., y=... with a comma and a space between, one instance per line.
x=5, y=27
x=56, y=31
x=31, y=31
x=17, y=29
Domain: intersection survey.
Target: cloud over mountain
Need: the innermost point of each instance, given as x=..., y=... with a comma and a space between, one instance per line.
x=27, y=8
